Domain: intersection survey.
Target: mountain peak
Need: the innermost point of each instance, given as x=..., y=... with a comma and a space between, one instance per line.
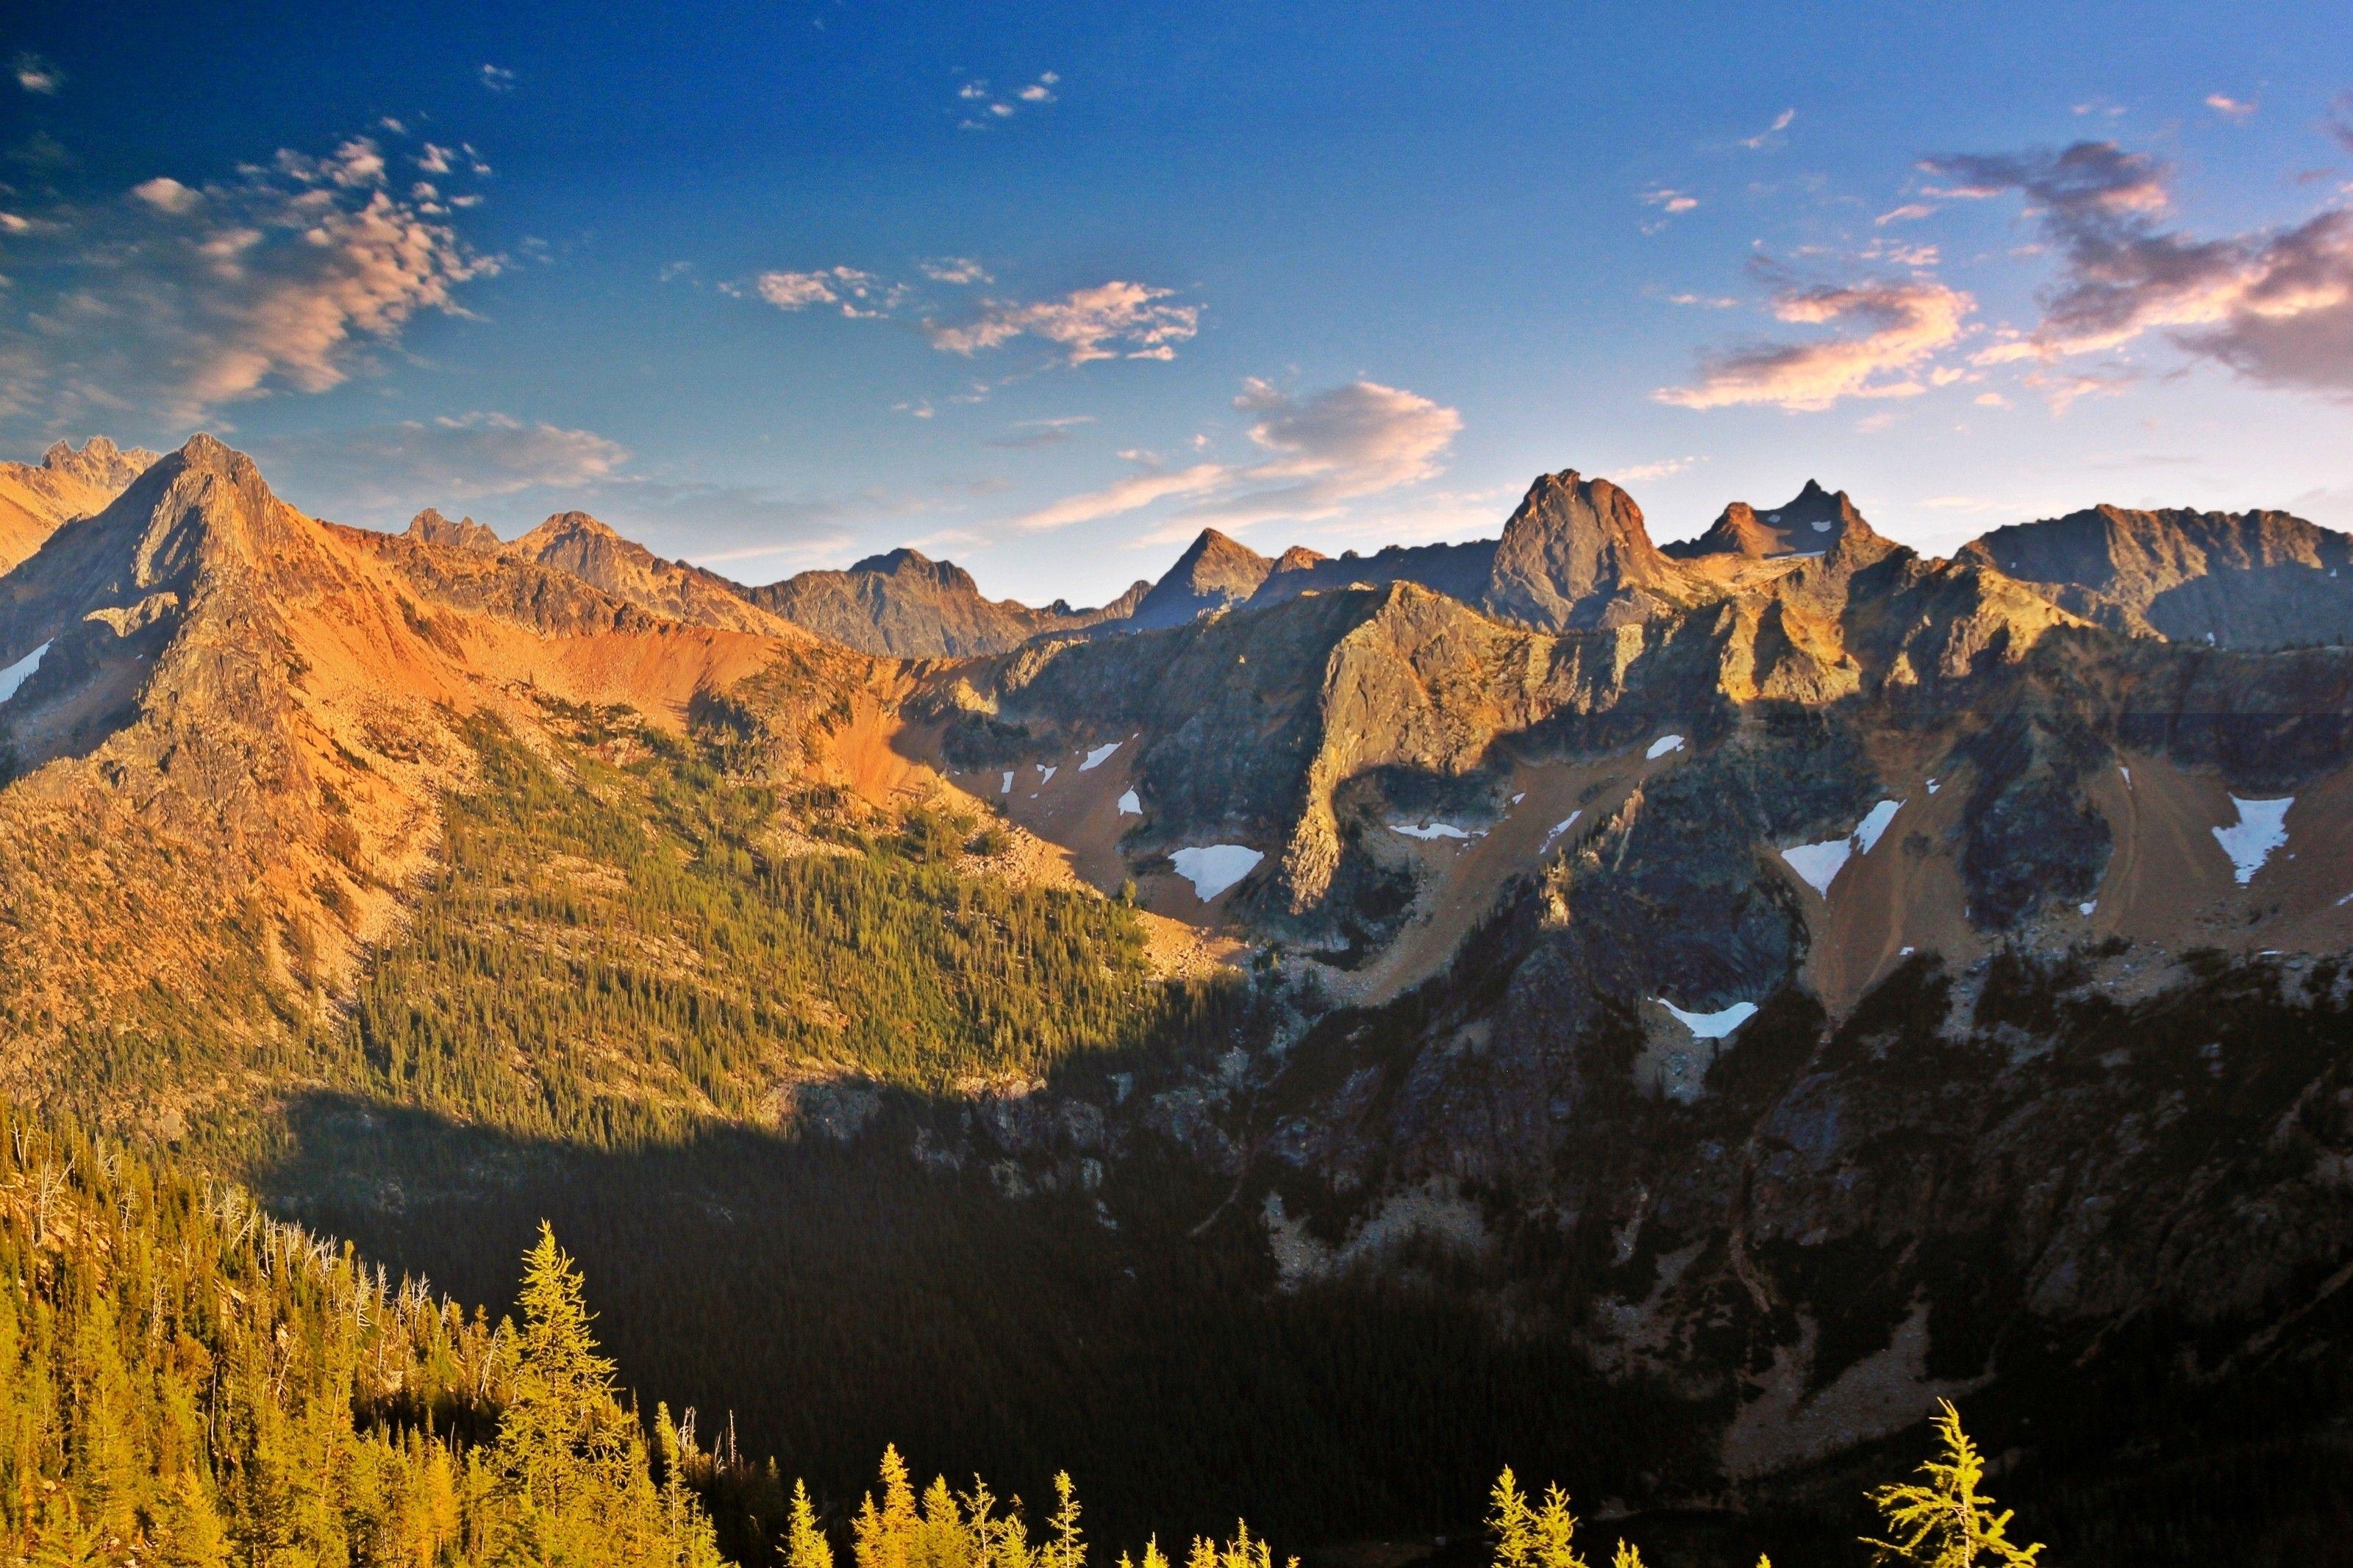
x=1576, y=555
x=429, y=527
x=1214, y=573
x=1815, y=522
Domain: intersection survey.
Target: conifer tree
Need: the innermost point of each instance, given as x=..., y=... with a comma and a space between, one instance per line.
x=805, y=1543
x=1948, y=1522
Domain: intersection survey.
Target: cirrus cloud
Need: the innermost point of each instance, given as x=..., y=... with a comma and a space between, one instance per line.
x=1322, y=452
x=463, y=457
x=1892, y=329
x=1111, y=320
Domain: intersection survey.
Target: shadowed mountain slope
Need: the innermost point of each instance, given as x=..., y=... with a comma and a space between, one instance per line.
x=904, y=605
x=2252, y=579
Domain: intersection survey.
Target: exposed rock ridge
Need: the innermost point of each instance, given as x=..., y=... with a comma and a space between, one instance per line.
x=2253, y=579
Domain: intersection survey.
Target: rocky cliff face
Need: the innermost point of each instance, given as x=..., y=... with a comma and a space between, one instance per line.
x=67, y=483
x=2254, y=578
x=906, y=605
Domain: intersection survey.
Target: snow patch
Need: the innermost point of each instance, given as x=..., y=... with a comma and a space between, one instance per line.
x=1932, y=786
x=2085, y=909
x=1429, y=830
x=1214, y=868
x=1049, y=773
x=2128, y=772
x=1821, y=528
x=1818, y=865
x=1661, y=746
x=16, y=674
x=1006, y=788
x=1874, y=822
x=2261, y=827
x=1130, y=804
x=1098, y=756
x=1563, y=825
x=1519, y=797
x=1712, y=1026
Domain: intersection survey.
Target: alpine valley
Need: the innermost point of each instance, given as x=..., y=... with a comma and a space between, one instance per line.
x=1298, y=1036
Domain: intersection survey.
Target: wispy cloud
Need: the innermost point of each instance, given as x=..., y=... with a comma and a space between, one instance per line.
x=2230, y=107
x=2275, y=306
x=1028, y=434
x=34, y=74
x=1666, y=467
x=176, y=299
x=1890, y=332
x=498, y=79
x=854, y=293
x=1907, y=212
x=1766, y=137
x=984, y=108
x=1319, y=453
x=464, y=456
x=1111, y=320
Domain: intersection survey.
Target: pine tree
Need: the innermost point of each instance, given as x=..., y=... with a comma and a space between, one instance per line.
x=189, y=1532
x=805, y=1543
x=1948, y=1522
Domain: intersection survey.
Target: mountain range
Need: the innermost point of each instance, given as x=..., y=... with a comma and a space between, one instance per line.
x=1800, y=976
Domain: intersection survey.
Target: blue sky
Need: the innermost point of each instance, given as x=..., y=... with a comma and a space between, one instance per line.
x=1046, y=287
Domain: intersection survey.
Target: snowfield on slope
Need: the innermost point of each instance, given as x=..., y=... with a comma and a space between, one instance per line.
x=1214, y=868
x=2261, y=827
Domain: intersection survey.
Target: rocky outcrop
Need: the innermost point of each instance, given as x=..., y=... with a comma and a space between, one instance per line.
x=67, y=483
x=1809, y=525
x=2252, y=579
x=1458, y=571
x=576, y=542
x=1576, y=556
x=429, y=527
x=1214, y=574
x=903, y=605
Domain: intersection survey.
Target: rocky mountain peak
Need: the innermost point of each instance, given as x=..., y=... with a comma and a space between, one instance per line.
x=2258, y=579
x=1214, y=571
x=915, y=567
x=1815, y=522
x=1575, y=555
x=1298, y=558
x=429, y=527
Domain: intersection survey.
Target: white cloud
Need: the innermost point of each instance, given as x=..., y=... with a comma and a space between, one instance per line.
x=1101, y=323
x=1671, y=201
x=1904, y=214
x=34, y=74
x=2274, y=306
x=957, y=270
x=1322, y=452
x=1781, y=122
x=855, y=293
x=1902, y=326
x=167, y=194
x=1664, y=467
x=462, y=456
x=985, y=108
x=2228, y=108
x=183, y=298
x=498, y=79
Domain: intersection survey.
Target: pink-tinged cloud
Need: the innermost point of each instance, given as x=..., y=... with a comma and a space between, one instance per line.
x=181, y=299
x=1107, y=322
x=1891, y=333
x=1322, y=451
x=2276, y=306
